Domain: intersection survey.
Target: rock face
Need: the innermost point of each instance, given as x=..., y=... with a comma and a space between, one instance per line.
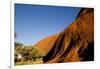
x=46, y=44
x=75, y=43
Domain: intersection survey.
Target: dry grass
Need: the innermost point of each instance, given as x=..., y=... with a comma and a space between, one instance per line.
x=37, y=61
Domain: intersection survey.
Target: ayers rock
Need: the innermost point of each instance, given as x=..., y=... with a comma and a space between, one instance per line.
x=75, y=43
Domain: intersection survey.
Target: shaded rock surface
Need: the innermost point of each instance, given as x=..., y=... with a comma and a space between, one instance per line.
x=75, y=43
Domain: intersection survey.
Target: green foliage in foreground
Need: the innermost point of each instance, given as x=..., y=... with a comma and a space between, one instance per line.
x=28, y=55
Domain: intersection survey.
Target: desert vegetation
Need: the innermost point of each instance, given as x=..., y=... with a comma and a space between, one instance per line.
x=27, y=55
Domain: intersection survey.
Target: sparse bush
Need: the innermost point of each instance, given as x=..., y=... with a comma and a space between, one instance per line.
x=29, y=54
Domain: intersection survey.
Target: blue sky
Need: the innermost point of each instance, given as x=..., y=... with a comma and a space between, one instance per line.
x=35, y=22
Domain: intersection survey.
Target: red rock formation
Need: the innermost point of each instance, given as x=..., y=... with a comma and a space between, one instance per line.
x=46, y=44
x=75, y=43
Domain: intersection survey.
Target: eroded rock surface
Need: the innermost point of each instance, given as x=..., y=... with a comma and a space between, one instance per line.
x=75, y=43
